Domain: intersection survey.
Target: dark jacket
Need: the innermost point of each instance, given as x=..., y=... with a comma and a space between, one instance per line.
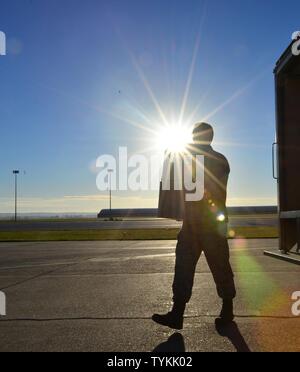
x=213, y=205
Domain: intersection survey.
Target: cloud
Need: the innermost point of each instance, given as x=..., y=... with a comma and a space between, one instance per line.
x=85, y=197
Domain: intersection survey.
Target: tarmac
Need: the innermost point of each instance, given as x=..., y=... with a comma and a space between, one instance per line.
x=100, y=296
x=150, y=223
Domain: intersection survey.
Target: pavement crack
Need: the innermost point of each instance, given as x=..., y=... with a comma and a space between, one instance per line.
x=38, y=276
x=40, y=320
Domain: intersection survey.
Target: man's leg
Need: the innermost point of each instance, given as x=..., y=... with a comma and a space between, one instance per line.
x=218, y=258
x=187, y=256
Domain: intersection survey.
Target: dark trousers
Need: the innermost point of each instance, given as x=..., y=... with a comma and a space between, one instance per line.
x=192, y=241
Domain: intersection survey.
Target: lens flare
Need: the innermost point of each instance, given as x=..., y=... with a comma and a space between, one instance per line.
x=174, y=138
x=221, y=217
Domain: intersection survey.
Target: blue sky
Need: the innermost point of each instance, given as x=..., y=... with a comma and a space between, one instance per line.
x=68, y=61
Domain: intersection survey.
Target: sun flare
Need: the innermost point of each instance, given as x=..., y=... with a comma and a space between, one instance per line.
x=174, y=138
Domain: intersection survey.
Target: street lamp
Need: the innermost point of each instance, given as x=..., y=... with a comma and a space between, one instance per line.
x=110, y=171
x=16, y=172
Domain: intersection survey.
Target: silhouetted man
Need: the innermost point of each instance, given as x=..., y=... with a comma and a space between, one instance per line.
x=204, y=230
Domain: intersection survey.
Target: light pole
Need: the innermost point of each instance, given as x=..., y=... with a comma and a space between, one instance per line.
x=16, y=172
x=110, y=171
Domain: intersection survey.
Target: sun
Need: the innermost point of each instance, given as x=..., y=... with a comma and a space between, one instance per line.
x=174, y=138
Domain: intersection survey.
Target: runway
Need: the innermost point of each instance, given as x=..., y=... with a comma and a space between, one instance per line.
x=56, y=225
x=99, y=296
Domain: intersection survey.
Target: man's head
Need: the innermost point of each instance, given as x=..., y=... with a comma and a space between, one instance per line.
x=203, y=134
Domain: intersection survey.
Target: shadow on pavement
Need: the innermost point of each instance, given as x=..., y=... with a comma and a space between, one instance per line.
x=233, y=333
x=175, y=344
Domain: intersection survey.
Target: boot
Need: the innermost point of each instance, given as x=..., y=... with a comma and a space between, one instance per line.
x=173, y=319
x=226, y=316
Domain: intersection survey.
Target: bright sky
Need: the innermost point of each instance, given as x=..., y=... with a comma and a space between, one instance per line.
x=78, y=73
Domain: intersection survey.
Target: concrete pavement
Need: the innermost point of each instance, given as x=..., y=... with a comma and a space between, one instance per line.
x=99, y=296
